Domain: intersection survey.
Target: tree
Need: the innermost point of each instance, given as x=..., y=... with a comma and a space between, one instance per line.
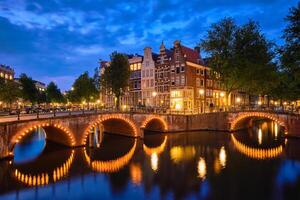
x=54, y=94
x=9, y=92
x=116, y=76
x=290, y=53
x=219, y=44
x=84, y=89
x=29, y=91
x=255, y=54
x=241, y=56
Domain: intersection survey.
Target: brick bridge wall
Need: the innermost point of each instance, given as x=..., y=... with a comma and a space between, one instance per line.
x=73, y=130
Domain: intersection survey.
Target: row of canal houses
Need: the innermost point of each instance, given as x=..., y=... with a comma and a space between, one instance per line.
x=176, y=79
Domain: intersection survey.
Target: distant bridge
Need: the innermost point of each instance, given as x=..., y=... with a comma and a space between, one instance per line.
x=73, y=129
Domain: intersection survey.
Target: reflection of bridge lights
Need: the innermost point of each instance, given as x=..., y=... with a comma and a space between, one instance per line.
x=179, y=153
x=256, y=153
x=136, y=174
x=276, y=130
x=154, y=161
x=111, y=165
x=222, y=157
x=259, y=135
x=201, y=168
x=158, y=150
x=44, y=178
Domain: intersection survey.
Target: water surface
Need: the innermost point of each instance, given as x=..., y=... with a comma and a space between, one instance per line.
x=257, y=163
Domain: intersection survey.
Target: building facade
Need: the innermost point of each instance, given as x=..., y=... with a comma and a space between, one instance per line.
x=135, y=93
x=148, y=78
x=193, y=88
x=162, y=78
x=6, y=72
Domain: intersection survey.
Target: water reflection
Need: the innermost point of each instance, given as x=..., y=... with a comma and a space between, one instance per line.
x=31, y=146
x=110, y=165
x=198, y=165
x=201, y=168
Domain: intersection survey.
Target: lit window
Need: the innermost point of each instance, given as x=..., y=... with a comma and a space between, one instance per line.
x=131, y=67
x=134, y=66
x=1, y=74
x=139, y=66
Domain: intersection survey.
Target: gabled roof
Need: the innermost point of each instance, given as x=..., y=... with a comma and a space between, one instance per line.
x=191, y=55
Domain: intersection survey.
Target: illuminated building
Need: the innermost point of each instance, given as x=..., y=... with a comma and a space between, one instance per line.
x=148, y=78
x=192, y=87
x=6, y=72
x=40, y=86
x=162, y=78
x=135, y=92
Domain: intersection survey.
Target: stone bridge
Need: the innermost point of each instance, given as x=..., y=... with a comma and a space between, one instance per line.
x=74, y=130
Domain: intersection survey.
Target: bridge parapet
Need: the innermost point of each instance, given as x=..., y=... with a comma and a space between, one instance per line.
x=73, y=130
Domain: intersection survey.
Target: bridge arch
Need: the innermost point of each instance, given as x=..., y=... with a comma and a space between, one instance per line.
x=156, y=150
x=111, y=166
x=114, y=124
x=242, y=117
x=154, y=123
x=54, y=132
x=257, y=153
x=44, y=178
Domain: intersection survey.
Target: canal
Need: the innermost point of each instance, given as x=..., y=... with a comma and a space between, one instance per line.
x=257, y=163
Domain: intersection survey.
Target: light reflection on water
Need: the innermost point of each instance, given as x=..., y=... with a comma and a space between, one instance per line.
x=198, y=165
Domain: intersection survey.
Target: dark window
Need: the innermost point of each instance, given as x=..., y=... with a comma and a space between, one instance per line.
x=182, y=68
x=177, y=70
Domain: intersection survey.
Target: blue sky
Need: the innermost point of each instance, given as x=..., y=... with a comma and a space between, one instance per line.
x=56, y=40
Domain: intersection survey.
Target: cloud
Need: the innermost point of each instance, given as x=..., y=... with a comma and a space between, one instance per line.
x=57, y=40
x=89, y=50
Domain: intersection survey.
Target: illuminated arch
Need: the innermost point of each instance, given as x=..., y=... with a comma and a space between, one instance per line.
x=246, y=115
x=257, y=153
x=111, y=166
x=105, y=118
x=158, y=150
x=160, y=119
x=25, y=131
x=45, y=178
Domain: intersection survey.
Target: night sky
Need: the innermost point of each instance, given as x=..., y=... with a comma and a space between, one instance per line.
x=56, y=40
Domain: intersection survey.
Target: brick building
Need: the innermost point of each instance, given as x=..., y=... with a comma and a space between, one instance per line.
x=162, y=78
x=192, y=86
x=135, y=93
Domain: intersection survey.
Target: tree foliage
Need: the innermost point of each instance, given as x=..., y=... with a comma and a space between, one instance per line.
x=290, y=55
x=54, y=94
x=29, y=91
x=241, y=56
x=84, y=89
x=116, y=76
x=9, y=92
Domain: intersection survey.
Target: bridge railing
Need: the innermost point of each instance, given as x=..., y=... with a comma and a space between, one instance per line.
x=45, y=115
